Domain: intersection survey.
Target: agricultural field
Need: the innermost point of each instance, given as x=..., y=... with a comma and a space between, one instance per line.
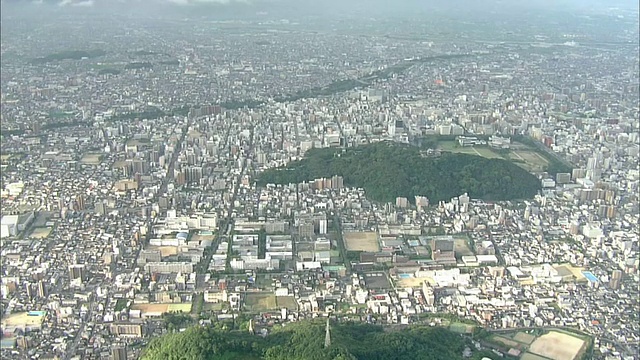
x=263, y=301
x=361, y=241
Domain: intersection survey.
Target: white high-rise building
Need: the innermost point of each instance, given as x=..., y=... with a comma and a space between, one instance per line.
x=391, y=127
x=322, y=227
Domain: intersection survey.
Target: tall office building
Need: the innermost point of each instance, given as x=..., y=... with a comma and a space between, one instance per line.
x=101, y=208
x=322, y=226
x=119, y=352
x=76, y=271
x=616, y=276
x=42, y=290
x=80, y=202
x=29, y=288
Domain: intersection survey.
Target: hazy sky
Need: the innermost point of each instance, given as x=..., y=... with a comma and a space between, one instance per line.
x=389, y=3
x=292, y=8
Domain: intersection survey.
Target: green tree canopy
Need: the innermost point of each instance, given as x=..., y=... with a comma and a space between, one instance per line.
x=388, y=170
x=305, y=341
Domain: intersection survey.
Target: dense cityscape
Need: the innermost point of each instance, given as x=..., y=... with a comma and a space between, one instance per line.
x=135, y=201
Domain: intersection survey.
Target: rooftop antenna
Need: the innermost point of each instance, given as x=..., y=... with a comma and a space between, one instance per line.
x=327, y=336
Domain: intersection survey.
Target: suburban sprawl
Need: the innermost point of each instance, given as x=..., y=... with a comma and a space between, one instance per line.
x=159, y=175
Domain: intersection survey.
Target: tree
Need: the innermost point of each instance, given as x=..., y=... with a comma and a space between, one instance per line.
x=389, y=170
x=305, y=340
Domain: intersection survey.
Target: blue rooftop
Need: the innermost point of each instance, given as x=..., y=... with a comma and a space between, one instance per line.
x=589, y=275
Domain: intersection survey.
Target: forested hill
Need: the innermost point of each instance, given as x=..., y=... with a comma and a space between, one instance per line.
x=388, y=170
x=305, y=341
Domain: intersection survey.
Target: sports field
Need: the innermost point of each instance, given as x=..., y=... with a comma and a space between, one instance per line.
x=361, y=241
x=27, y=318
x=520, y=154
x=91, y=159
x=414, y=282
x=529, y=160
x=558, y=346
x=461, y=247
x=452, y=146
x=40, y=233
x=162, y=308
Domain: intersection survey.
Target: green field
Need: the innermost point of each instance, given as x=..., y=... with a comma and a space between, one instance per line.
x=260, y=301
x=519, y=154
x=524, y=338
x=288, y=302
x=505, y=341
x=530, y=356
x=121, y=304
x=454, y=147
x=461, y=328
x=542, y=344
x=529, y=160
x=461, y=247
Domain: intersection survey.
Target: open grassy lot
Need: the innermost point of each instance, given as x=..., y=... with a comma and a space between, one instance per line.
x=454, y=147
x=503, y=340
x=461, y=247
x=361, y=241
x=120, y=305
x=263, y=301
x=213, y=306
x=529, y=160
x=530, y=356
x=520, y=154
x=288, y=302
x=40, y=232
x=524, y=338
x=461, y=328
x=264, y=281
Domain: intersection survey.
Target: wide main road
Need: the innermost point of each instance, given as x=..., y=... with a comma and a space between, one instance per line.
x=165, y=181
x=227, y=227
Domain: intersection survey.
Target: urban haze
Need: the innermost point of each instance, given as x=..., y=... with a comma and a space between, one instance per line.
x=253, y=169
